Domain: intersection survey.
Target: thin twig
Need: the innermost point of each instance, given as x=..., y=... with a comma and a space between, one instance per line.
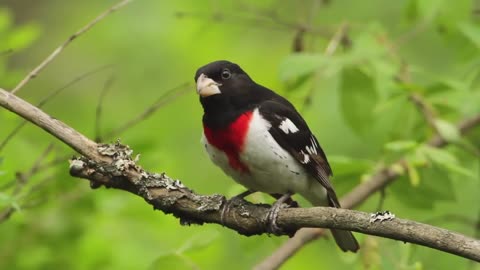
x=50, y=97
x=98, y=114
x=330, y=49
x=6, y=214
x=22, y=180
x=255, y=18
x=408, y=36
x=299, y=38
x=28, y=203
x=47, y=165
x=58, y=50
x=12, y=134
x=425, y=109
x=163, y=100
x=336, y=40
x=55, y=162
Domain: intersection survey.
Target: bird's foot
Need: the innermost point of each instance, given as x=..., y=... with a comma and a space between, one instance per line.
x=290, y=202
x=232, y=201
x=272, y=214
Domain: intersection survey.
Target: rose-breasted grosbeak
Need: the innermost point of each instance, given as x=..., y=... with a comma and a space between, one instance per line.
x=260, y=140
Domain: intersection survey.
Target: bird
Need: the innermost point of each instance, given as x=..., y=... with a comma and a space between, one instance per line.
x=259, y=139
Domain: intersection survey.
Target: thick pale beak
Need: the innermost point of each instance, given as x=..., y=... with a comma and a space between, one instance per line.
x=206, y=86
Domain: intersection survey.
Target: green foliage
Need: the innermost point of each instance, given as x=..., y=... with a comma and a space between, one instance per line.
x=400, y=146
x=447, y=130
x=357, y=98
x=359, y=107
x=14, y=39
x=178, y=258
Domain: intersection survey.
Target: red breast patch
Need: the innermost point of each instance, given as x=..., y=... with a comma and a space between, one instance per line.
x=231, y=140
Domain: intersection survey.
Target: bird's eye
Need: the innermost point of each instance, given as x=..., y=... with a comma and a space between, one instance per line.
x=226, y=74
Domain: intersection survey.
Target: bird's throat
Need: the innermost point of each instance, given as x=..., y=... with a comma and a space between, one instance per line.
x=230, y=139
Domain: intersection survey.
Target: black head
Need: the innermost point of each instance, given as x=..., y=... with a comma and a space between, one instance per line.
x=226, y=91
x=221, y=77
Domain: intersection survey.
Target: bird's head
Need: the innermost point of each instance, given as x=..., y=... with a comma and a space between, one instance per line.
x=221, y=78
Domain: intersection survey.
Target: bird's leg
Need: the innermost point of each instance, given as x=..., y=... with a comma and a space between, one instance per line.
x=291, y=202
x=228, y=203
x=273, y=213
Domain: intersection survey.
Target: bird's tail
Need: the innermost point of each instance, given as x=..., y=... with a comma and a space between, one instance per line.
x=344, y=239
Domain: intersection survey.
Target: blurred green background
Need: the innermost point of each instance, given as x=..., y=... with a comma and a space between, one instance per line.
x=356, y=99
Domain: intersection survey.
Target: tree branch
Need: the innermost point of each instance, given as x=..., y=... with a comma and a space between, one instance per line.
x=171, y=196
x=58, y=129
x=112, y=166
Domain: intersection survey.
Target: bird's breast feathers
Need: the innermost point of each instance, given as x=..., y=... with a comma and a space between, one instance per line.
x=247, y=152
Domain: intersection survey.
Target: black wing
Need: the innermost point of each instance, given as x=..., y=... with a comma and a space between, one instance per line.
x=292, y=133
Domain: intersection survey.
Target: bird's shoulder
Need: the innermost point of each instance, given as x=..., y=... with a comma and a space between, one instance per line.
x=291, y=131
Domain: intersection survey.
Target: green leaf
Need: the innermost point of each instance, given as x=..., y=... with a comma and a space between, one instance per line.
x=436, y=183
x=400, y=146
x=435, y=186
x=418, y=265
x=447, y=130
x=15, y=205
x=357, y=99
x=199, y=241
x=342, y=165
x=455, y=168
x=446, y=160
x=437, y=87
x=389, y=103
x=6, y=200
x=398, y=168
x=4, y=197
x=413, y=175
x=411, y=10
x=23, y=36
x=300, y=65
x=439, y=156
x=172, y=261
x=5, y=19
x=472, y=32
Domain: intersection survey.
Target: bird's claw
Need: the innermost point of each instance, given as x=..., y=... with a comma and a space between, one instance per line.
x=271, y=219
x=272, y=215
x=233, y=201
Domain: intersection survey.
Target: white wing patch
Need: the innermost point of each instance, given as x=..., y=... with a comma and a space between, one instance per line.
x=288, y=126
x=313, y=142
x=312, y=149
x=306, y=158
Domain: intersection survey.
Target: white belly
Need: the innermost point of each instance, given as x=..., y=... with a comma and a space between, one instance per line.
x=271, y=169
